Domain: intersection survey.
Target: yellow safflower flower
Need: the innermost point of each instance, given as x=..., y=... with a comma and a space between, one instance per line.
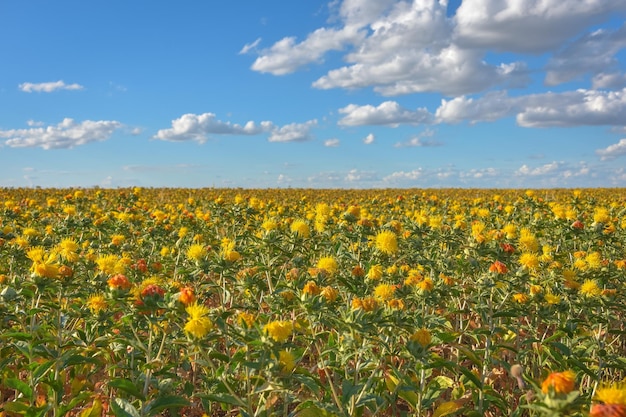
x=279, y=330
x=527, y=241
x=384, y=291
x=328, y=264
x=529, y=261
x=426, y=285
x=375, y=272
x=590, y=288
x=329, y=293
x=387, y=242
x=286, y=361
x=422, y=336
x=196, y=252
x=96, y=303
x=198, y=324
x=300, y=228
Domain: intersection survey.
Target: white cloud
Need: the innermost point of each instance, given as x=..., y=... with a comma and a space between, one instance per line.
x=66, y=134
x=545, y=169
x=530, y=26
x=355, y=175
x=286, y=55
x=571, y=108
x=613, y=151
x=592, y=53
x=575, y=108
x=331, y=143
x=420, y=140
x=387, y=113
x=363, y=12
x=325, y=179
x=404, y=175
x=611, y=80
x=283, y=179
x=490, y=107
x=199, y=127
x=396, y=47
x=450, y=71
x=410, y=50
x=369, y=139
x=161, y=168
x=294, y=132
x=48, y=87
x=479, y=173
x=250, y=46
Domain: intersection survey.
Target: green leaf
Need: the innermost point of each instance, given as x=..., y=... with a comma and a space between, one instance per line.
x=313, y=410
x=471, y=376
x=223, y=399
x=166, y=402
x=506, y=313
x=219, y=356
x=122, y=408
x=41, y=370
x=447, y=408
x=469, y=354
x=38, y=411
x=20, y=386
x=94, y=411
x=71, y=360
x=15, y=407
x=127, y=386
x=306, y=380
x=16, y=336
x=581, y=366
x=77, y=399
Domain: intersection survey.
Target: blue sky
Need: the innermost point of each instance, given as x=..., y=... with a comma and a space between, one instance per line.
x=339, y=94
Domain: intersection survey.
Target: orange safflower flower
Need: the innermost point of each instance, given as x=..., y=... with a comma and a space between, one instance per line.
x=498, y=267
x=560, y=382
x=119, y=282
x=186, y=296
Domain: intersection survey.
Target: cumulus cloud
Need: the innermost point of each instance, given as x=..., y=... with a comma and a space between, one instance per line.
x=48, y=87
x=405, y=47
x=490, y=107
x=613, y=151
x=287, y=55
x=575, y=108
x=396, y=47
x=479, y=173
x=355, y=175
x=198, y=127
x=570, y=108
x=451, y=71
x=388, y=113
x=331, y=143
x=404, y=175
x=530, y=26
x=66, y=134
x=592, y=53
x=545, y=169
x=369, y=139
x=420, y=140
x=294, y=132
x=610, y=80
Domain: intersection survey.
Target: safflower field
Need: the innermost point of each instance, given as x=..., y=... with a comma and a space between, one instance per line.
x=287, y=302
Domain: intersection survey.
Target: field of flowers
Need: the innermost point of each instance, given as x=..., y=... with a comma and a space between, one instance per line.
x=304, y=303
